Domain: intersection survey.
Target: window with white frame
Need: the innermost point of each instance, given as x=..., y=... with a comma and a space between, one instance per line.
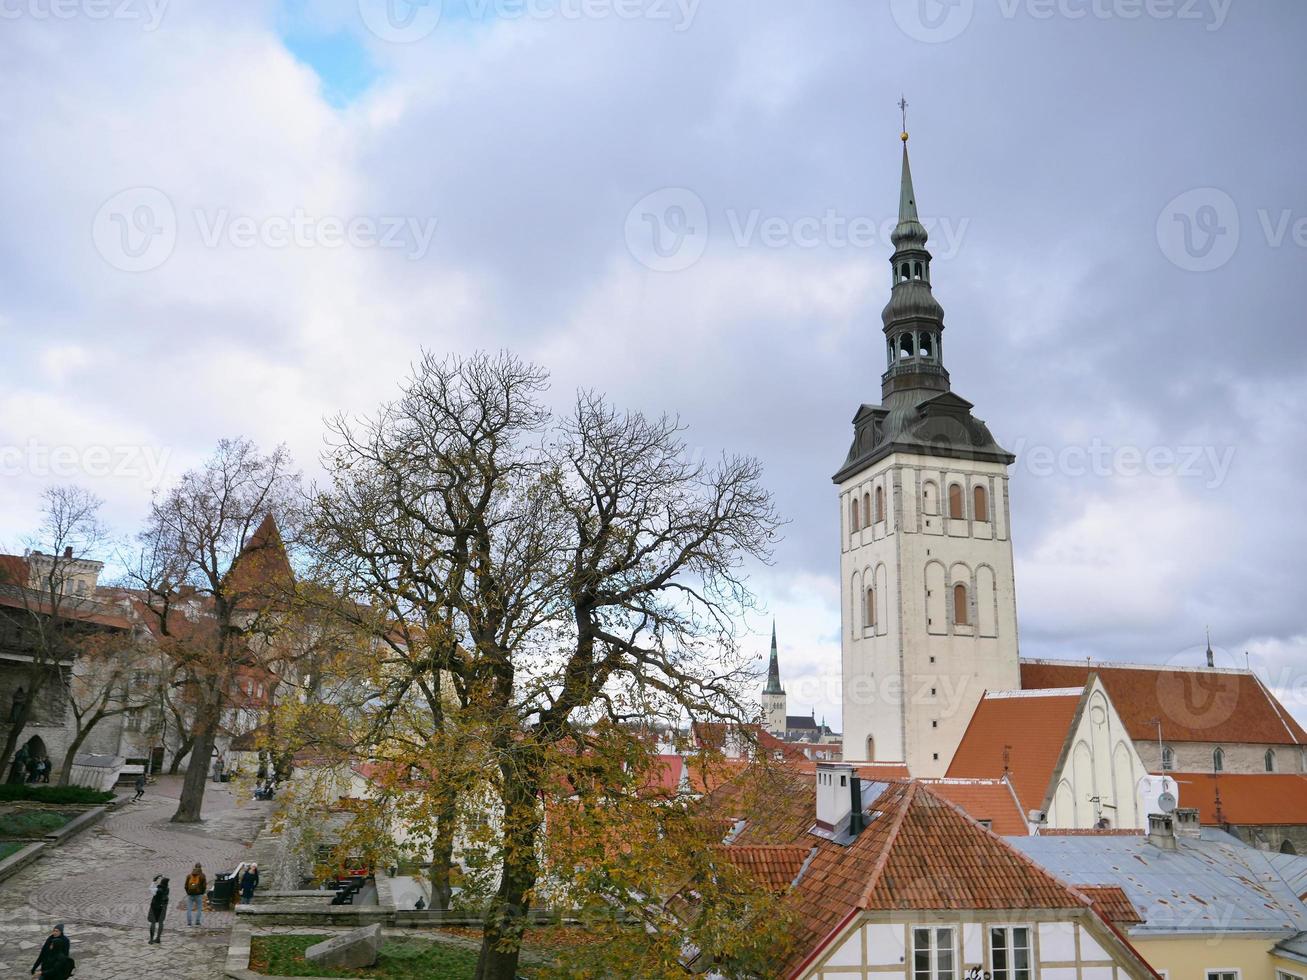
x=1010, y=955
x=1284, y=975
x=933, y=956
x=1222, y=975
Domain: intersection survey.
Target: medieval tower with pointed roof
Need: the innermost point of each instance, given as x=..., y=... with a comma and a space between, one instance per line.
x=773, y=695
x=928, y=599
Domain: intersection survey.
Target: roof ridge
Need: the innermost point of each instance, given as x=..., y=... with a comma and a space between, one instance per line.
x=1122, y=665
x=1276, y=707
x=891, y=836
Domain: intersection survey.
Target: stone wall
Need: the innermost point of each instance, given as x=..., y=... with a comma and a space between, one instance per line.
x=1239, y=756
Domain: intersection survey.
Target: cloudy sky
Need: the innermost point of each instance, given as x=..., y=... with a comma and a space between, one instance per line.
x=237, y=218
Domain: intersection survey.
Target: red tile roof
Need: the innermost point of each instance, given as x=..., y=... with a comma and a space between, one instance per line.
x=13, y=570
x=1194, y=704
x=1030, y=729
x=918, y=852
x=261, y=572
x=1258, y=798
x=777, y=865
x=1112, y=903
x=992, y=800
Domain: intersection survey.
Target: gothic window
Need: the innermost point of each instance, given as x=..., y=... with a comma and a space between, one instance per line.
x=957, y=509
x=906, y=346
x=916, y=270
x=905, y=272
x=866, y=509
x=980, y=499
x=1168, y=759
x=870, y=619
x=853, y=513
x=926, y=347
x=1218, y=760
x=1269, y=759
x=880, y=504
x=960, y=616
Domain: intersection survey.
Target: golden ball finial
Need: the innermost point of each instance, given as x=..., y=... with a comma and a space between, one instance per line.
x=904, y=136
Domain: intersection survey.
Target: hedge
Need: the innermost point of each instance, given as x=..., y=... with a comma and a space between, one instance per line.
x=18, y=792
x=32, y=823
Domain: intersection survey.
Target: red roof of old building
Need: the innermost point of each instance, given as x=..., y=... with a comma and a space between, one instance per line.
x=1020, y=733
x=992, y=801
x=919, y=851
x=1194, y=704
x=1256, y=798
x=777, y=865
x=261, y=572
x=1112, y=903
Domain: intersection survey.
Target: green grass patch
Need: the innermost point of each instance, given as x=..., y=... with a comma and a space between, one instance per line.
x=401, y=959
x=24, y=792
x=30, y=824
x=8, y=847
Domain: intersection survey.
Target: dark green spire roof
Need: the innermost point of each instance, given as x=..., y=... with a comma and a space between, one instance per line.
x=910, y=232
x=774, y=668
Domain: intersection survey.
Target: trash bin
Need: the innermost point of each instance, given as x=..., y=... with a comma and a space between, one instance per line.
x=223, y=892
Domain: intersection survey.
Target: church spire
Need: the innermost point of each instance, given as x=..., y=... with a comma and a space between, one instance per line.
x=774, y=668
x=913, y=319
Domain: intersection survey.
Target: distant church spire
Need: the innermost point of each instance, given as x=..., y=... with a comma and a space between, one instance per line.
x=913, y=319
x=1211, y=657
x=774, y=668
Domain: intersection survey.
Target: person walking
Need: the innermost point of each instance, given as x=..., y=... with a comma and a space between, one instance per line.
x=196, y=886
x=249, y=882
x=56, y=946
x=140, y=788
x=158, y=908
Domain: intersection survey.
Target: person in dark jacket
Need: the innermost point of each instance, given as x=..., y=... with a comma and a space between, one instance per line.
x=249, y=882
x=56, y=946
x=158, y=909
x=140, y=788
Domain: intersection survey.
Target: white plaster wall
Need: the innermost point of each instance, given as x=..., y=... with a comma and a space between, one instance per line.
x=913, y=680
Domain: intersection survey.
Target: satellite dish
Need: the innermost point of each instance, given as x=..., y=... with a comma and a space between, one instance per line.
x=1166, y=802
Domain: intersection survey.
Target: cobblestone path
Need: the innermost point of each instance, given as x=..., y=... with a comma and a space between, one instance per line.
x=98, y=886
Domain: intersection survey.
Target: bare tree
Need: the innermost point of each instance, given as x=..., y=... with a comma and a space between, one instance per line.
x=559, y=582
x=106, y=681
x=47, y=601
x=213, y=615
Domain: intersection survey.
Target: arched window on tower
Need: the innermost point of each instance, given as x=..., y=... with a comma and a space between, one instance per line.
x=853, y=514
x=1269, y=759
x=926, y=346
x=980, y=503
x=880, y=504
x=870, y=617
x=866, y=509
x=905, y=272
x=916, y=270
x=930, y=497
x=906, y=345
x=957, y=509
x=961, y=616
x=1168, y=759
x=1218, y=760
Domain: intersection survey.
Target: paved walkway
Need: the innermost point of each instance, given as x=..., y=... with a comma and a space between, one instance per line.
x=98, y=886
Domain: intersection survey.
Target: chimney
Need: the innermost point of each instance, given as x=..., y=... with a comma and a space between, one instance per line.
x=1186, y=822
x=1161, y=831
x=68, y=551
x=834, y=795
x=857, y=819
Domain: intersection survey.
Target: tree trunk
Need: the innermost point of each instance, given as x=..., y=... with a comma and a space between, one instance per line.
x=16, y=729
x=442, y=858
x=501, y=943
x=183, y=747
x=66, y=770
x=197, y=773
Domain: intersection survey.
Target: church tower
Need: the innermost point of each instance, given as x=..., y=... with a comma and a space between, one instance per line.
x=929, y=602
x=773, y=695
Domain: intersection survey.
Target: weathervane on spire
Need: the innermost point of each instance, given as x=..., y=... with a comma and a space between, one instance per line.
x=903, y=108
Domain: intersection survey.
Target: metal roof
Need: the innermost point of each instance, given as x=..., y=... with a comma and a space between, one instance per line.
x=1210, y=884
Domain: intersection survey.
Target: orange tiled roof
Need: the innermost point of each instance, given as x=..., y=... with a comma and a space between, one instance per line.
x=919, y=851
x=1030, y=729
x=1258, y=798
x=777, y=865
x=261, y=572
x=993, y=800
x=1195, y=705
x=13, y=570
x=1112, y=903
